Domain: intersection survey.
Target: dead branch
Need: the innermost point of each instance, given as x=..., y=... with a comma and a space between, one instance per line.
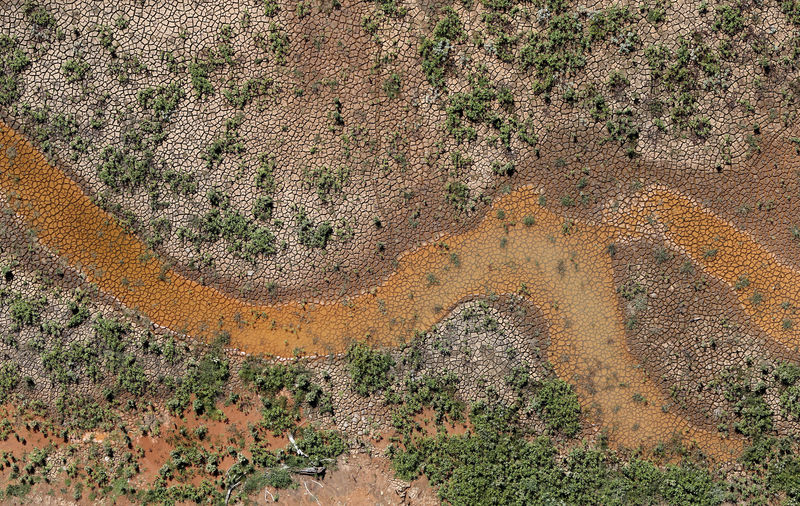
x=310, y=471
x=230, y=490
x=294, y=445
x=309, y=492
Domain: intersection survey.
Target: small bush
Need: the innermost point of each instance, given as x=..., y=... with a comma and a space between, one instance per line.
x=369, y=369
x=392, y=86
x=38, y=15
x=558, y=404
x=309, y=234
x=729, y=19
x=75, y=69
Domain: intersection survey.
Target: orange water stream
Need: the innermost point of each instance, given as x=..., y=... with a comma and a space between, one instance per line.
x=568, y=275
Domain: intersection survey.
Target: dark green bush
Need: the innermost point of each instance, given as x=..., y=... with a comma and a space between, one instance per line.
x=496, y=464
x=162, y=100
x=309, y=234
x=38, y=15
x=263, y=207
x=326, y=180
x=435, y=51
x=558, y=404
x=279, y=43
x=788, y=373
x=392, y=86
x=199, y=72
x=26, y=311
x=729, y=19
x=271, y=7
x=369, y=369
x=458, y=195
x=75, y=69
x=205, y=380
x=609, y=22
x=9, y=379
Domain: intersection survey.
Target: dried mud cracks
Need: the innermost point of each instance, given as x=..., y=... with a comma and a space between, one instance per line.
x=562, y=266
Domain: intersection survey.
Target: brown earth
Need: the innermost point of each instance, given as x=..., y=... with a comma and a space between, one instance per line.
x=556, y=259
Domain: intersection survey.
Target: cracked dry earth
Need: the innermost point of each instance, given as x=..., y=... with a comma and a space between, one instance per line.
x=194, y=188
x=568, y=275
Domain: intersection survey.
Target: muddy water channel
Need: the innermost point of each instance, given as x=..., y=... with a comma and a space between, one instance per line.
x=561, y=266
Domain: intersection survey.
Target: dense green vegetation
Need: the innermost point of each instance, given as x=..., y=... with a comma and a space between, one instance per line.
x=435, y=51
x=264, y=466
x=202, y=385
x=270, y=380
x=496, y=464
x=437, y=392
x=243, y=236
x=309, y=233
x=38, y=15
x=557, y=403
x=499, y=461
x=132, y=165
x=13, y=60
x=369, y=369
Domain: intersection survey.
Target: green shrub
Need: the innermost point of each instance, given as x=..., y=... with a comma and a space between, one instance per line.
x=554, y=52
x=79, y=313
x=9, y=379
x=326, y=180
x=228, y=143
x=276, y=415
x=199, y=72
x=503, y=169
x=279, y=43
x=791, y=8
x=450, y=26
x=788, y=373
x=131, y=377
x=392, y=86
x=790, y=401
x=458, y=195
x=38, y=15
x=265, y=174
x=162, y=100
x=729, y=19
x=392, y=8
x=205, y=380
x=320, y=444
x=557, y=402
x=439, y=392
x=111, y=333
x=26, y=311
x=609, y=22
x=263, y=207
x=75, y=69
x=309, y=234
x=435, y=51
x=241, y=96
x=271, y=7
x=369, y=369
x=126, y=65
x=279, y=478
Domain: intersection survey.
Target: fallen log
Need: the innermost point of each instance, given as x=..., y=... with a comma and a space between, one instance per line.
x=309, y=471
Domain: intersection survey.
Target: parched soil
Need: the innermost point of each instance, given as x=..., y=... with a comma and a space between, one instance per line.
x=279, y=180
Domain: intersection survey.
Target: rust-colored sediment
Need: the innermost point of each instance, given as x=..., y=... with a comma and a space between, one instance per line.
x=766, y=288
x=568, y=275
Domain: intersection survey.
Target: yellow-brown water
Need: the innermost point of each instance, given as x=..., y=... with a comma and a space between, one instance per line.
x=566, y=271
